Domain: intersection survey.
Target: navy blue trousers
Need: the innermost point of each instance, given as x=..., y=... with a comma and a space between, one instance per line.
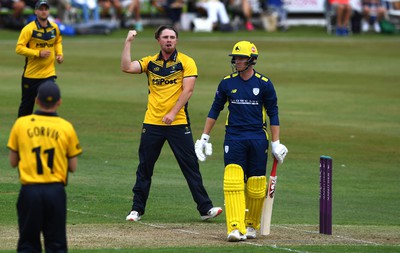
x=42, y=208
x=180, y=139
x=29, y=89
x=251, y=155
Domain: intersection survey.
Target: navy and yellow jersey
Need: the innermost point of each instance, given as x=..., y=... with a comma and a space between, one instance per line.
x=31, y=41
x=165, y=86
x=44, y=143
x=249, y=104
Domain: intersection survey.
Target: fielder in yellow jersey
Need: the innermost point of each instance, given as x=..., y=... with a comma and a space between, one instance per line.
x=40, y=42
x=171, y=78
x=45, y=148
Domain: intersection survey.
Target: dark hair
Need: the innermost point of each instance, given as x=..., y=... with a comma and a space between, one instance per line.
x=162, y=28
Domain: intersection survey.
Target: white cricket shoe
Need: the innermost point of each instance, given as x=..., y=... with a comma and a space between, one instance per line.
x=212, y=213
x=236, y=236
x=133, y=216
x=251, y=233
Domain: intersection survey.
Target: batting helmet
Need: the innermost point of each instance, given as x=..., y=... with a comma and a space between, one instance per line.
x=245, y=48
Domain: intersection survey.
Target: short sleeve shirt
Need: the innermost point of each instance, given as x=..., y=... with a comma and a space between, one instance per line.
x=44, y=143
x=165, y=80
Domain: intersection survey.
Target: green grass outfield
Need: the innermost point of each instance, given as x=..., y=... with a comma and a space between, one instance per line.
x=338, y=97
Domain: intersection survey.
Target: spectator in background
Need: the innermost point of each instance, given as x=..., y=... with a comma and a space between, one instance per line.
x=343, y=15
x=373, y=12
x=243, y=9
x=277, y=8
x=133, y=9
x=30, y=3
x=173, y=9
x=16, y=19
x=63, y=7
x=216, y=13
x=90, y=9
x=356, y=16
x=107, y=5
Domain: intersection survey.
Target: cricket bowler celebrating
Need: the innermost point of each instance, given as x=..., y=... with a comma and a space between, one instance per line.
x=250, y=97
x=171, y=79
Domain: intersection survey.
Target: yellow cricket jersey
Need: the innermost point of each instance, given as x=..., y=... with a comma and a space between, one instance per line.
x=44, y=143
x=34, y=38
x=165, y=85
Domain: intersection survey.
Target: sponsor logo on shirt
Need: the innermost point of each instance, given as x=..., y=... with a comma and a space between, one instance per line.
x=44, y=45
x=162, y=81
x=244, y=102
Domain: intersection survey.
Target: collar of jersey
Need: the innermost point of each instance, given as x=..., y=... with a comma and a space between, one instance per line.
x=39, y=26
x=42, y=113
x=171, y=58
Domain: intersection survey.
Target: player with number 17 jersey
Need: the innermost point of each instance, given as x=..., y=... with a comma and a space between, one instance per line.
x=44, y=142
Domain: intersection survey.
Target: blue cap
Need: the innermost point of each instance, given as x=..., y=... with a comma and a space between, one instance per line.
x=49, y=93
x=40, y=3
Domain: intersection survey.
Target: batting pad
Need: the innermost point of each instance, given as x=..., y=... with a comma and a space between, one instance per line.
x=255, y=194
x=234, y=198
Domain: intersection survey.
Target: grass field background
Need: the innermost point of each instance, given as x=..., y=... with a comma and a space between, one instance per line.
x=337, y=96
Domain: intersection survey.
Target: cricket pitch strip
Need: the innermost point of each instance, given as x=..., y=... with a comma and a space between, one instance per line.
x=149, y=235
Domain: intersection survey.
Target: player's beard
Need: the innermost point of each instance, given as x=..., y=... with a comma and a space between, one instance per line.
x=42, y=18
x=168, y=48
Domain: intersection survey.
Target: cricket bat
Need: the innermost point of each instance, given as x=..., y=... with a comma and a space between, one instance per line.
x=265, y=227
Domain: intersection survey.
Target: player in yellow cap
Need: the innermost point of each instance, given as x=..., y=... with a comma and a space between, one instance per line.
x=251, y=100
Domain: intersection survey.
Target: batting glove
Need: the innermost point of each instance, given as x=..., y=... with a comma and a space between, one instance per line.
x=279, y=151
x=201, y=145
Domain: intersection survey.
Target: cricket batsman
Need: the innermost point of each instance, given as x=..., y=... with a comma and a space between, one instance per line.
x=251, y=101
